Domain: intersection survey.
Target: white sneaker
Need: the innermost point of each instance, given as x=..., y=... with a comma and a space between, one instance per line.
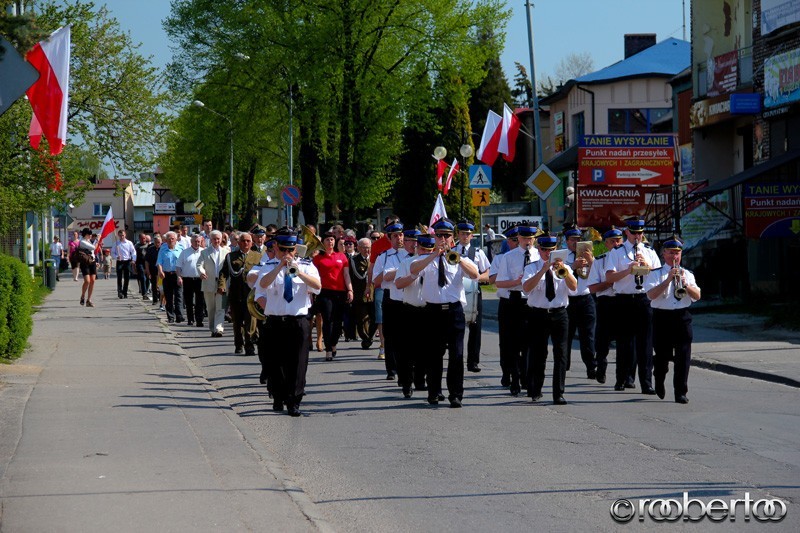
x=381, y=354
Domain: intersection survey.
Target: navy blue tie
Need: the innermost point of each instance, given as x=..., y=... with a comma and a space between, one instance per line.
x=287, y=288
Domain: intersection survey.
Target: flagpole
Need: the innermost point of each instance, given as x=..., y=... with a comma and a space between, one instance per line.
x=535, y=98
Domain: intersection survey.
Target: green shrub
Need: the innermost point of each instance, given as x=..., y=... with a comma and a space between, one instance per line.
x=16, y=324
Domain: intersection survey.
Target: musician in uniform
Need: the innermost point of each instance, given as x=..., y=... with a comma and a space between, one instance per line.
x=234, y=274
x=509, y=277
x=672, y=289
x=607, y=322
x=634, y=340
x=412, y=369
x=464, y=247
x=582, y=312
x=288, y=285
x=259, y=235
x=383, y=273
x=443, y=292
x=504, y=308
x=547, y=286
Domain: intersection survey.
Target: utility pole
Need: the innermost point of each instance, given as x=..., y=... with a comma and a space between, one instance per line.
x=535, y=104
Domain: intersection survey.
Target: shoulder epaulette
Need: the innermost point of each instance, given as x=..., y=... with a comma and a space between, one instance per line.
x=648, y=245
x=305, y=260
x=619, y=246
x=601, y=256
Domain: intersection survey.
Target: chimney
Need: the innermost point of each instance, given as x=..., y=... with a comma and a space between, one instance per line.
x=636, y=42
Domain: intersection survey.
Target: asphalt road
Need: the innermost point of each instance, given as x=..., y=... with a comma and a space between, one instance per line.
x=371, y=460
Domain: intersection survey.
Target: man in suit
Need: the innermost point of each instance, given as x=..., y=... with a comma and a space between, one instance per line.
x=208, y=266
x=234, y=274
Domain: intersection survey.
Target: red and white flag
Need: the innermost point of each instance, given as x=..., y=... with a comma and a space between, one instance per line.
x=508, y=134
x=441, y=165
x=49, y=95
x=487, y=151
x=438, y=213
x=449, y=182
x=108, y=227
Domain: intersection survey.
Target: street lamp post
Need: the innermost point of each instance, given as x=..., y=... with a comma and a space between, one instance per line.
x=466, y=151
x=198, y=103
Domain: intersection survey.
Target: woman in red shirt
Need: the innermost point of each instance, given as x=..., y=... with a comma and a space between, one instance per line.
x=336, y=291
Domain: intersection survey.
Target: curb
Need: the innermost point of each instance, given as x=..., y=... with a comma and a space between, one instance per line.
x=725, y=368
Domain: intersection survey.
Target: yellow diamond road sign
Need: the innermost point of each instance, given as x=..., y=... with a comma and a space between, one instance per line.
x=543, y=181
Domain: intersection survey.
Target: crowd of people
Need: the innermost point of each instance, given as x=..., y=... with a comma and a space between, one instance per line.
x=279, y=284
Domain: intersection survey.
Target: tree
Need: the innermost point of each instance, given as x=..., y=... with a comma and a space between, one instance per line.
x=522, y=91
x=573, y=66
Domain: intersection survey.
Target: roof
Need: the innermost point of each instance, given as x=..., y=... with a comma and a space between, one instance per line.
x=665, y=59
x=143, y=195
x=750, y=173
x=566, y=160
x=110, y=184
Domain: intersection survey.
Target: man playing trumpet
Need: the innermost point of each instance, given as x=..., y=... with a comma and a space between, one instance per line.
x=582, y=312
x=672, y=289
x=547, y=286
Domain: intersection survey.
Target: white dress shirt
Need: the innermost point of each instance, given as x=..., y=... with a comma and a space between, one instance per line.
x=301, y=293
x=667, y=300
x=386, y=262
x=453, y=291
x=412, y=294
x=187, y=263
x=619, y=260
x=512, y=266
x=480, y=258
x=185, y=241
x=124, y=251
x=597, y=274
x=583, y=284
x=494, y=269
x=538, y=296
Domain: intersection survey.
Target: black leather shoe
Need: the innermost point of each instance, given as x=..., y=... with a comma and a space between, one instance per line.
x=407, y=392
x=366, y=344
x=559, y=400
x=249, y=351
x=119, y=295
x=262, y=379
x=619, y=387
x=390, y=376
x=200, y=325
x=514, y=390
x=277, y=406
x=440, y=397
x=455, y=403
x=660, y=390
x=190, y=323
x=650, y=391
x=293, y=410
x=433, y=401
x=179, y=320
x=536, y=397
x=239, y=350
x=681, y=399
x=505, y=381
x=601, y=378
x=591, y=373
x=473, y=368
x=629, y=385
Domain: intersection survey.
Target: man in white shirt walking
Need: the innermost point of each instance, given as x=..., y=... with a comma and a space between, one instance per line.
x=125, y=254
x=208, y=265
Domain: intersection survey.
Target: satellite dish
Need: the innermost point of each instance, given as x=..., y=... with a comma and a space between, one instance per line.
x=440, y=152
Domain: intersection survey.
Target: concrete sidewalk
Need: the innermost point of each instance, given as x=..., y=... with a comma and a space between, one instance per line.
x=108, y=426
x=766, y=354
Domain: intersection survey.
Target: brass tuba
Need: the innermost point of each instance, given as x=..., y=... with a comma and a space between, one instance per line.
x=255, y=310
x=311, y=243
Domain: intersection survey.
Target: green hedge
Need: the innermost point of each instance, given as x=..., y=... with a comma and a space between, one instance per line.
x=16, y=307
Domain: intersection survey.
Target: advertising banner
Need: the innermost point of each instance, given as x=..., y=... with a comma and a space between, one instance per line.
x=600, y=206
x=722, y=72
x=782, y=79
x=771, y=210
x=626, y=159
x=776, y=14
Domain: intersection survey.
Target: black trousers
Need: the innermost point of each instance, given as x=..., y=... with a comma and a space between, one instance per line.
x=410, y=359
x=240, y=317
x=364, y=319
x=582, y=319
x=672, y=341
x=635, y=340
x=550, y=324
x=143, y=279
x=474, y=337
x=123, y=276
x=193, y=299
x=288, y=361
x=330, y=305
x=605, y=330
x=393, y=331
x=512, y=321
x=174, y=296
x=446, y=323
x=154, y=288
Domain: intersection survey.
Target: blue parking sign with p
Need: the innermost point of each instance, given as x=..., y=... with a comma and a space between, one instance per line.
x=598, y=174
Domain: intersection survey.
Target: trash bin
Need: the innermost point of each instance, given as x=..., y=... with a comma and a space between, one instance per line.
x=50, y=271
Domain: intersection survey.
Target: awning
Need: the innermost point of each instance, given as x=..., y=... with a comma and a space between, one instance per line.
x=750, y=173
x=567, y=160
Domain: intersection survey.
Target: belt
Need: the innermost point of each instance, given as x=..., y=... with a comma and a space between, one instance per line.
x=631, y=296
x=171, y=272
x=514, y=295
x=550, y=309
x=190, y=277
x=580, y=296
x=444, y=307
x=285, y=318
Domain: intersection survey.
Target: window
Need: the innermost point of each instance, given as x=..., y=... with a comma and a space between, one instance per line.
x=100, y=210
x=645, y=120
x=578, y=127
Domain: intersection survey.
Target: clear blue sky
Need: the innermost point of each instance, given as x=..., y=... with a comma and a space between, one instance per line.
x=560, y=27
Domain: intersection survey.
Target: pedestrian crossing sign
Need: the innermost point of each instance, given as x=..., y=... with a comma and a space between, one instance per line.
x=480, y=197
x=480, y=177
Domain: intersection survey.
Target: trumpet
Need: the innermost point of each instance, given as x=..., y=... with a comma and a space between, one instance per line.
x=561, y=271
x=452, y=257
x=680, y=290
x=291, y=270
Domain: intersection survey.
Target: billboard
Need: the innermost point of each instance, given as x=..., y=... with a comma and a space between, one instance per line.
x=626, y=159
x=771, y=210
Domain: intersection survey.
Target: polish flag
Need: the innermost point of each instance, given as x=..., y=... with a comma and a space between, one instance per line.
x=441, y=165
x=449, y=182
x=487, y=152
x=508, y=134
x=108, y=227
x=49, y=95
x=438, y=213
